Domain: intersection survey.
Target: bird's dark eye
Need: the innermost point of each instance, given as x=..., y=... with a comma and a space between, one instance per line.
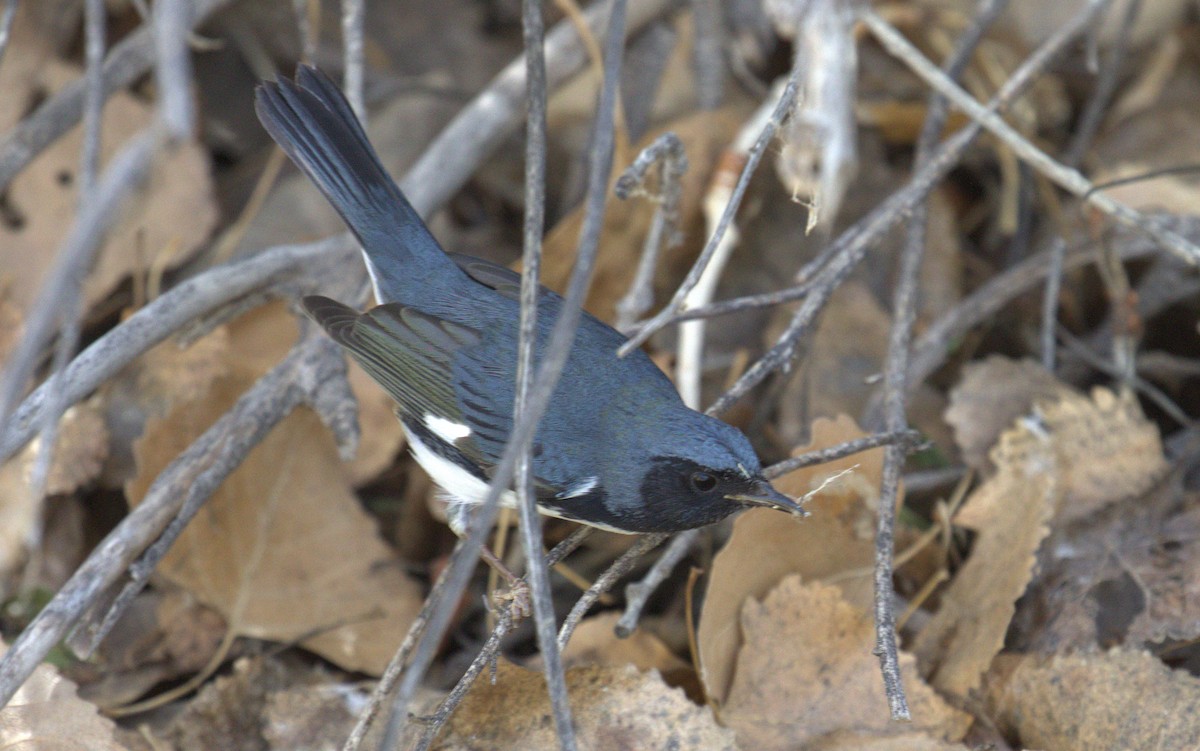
x=702, y=482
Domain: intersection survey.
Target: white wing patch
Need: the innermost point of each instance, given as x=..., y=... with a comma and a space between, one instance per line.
x=448, y=430
x=582, y=488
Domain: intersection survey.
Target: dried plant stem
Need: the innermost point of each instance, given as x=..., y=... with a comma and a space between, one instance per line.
x=537, y=575
x=667, y=151
x=905, y=438
x=638, y=593
x=605, y=582
x=895, y=371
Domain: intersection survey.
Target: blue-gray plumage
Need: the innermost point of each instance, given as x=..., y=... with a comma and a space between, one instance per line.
x=617, y=448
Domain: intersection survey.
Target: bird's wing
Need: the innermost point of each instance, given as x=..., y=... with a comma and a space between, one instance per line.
x=408, y=353
x=435, y=368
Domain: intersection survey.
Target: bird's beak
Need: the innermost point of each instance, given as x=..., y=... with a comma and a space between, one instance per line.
x=767, y=496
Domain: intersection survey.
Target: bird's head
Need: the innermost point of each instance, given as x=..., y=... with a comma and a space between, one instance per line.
x=691, y=470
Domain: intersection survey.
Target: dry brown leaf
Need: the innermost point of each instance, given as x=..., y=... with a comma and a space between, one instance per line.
x=1108, y=450
x=992, y=393
x=167, y=220
x=766, y=546
x=807, y=669
x=704, y=136
x=1104, y=450
x=1117, y=700
x=283, y=548
x=47, y=714
x=613, y=707
x=1011, y=512
x=847, y=352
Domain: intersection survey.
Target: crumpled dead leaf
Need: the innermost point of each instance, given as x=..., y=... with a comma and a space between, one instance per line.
x=1068, y=460
x=1119, y=699
x=46, y=713
x=807, y=669
x=283, y=548
x=966, y=633
x=613, y=708
x=991, y=394
x=1104, y=450
x=838, y=537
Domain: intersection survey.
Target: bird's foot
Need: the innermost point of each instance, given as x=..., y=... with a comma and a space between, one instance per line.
x=517, y=599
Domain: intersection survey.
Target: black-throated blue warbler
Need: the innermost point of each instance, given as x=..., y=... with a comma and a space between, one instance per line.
x=617, y=449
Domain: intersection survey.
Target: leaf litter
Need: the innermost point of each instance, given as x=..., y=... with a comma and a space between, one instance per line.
x=1056, y=607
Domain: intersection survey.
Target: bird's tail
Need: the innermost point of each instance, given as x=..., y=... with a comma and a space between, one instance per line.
x=314, y=124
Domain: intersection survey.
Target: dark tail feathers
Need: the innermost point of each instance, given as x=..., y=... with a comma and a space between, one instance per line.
x=313, y=123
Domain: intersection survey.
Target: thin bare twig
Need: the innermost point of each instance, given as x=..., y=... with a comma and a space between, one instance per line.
x=782, y=107
x=1070, y=179
x=667, y=151
x=899, y=339
x=1050, y=293
x=638, y=593
x=605, y=582
x=554, y=358
x=69, y=306
x=173, y=66
x=537, y=575
x=906, y=439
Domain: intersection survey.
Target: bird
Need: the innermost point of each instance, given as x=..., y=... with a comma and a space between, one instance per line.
x=616, y=448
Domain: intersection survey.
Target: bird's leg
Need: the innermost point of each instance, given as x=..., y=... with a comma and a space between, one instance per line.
x=518, y=597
